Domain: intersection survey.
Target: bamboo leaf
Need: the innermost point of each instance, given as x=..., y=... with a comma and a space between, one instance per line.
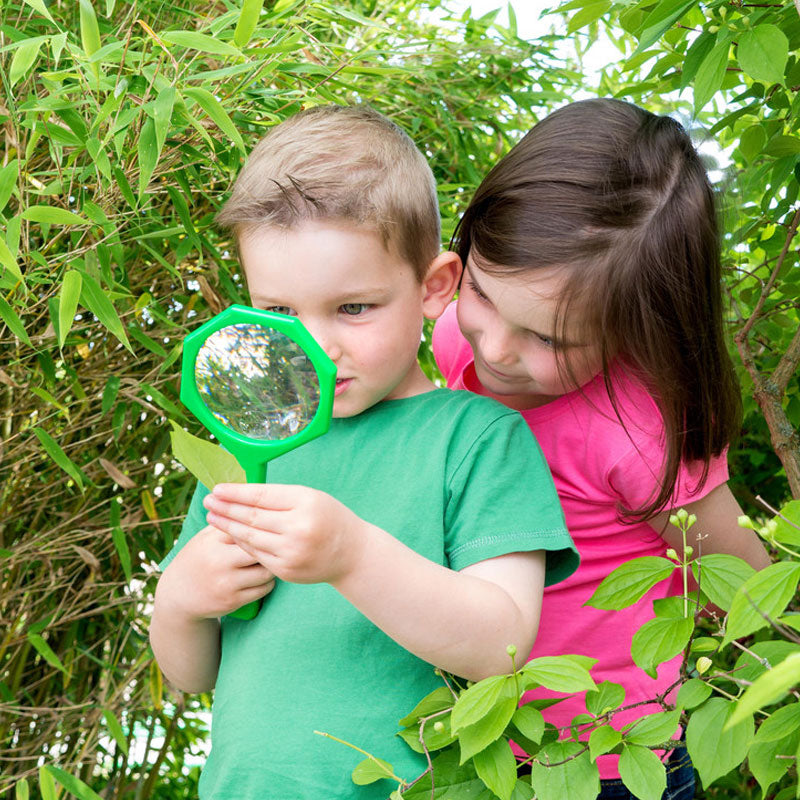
x=24, y=57
x=90, y=31
x=9, y=316
x=208, y=462
x=148, y=154
x=41, y=8
x=248, y=20
x=45, y=651
x=201, y=42
x=21, y=790
x=47, y=786
x=115, y=729
x=767, y=688
x=75, y=786
x=162, y=114
x=51, y=215
x=53, y=449
x=8, y=180
x=68, y=303
x=216, y=112
x=124, y=553
x=95, y=299
x=9, y=261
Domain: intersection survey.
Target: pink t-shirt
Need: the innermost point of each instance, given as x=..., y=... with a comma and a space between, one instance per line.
x=596, y=465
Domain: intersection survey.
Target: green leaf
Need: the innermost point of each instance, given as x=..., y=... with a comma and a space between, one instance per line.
x=607, y=697
x=53, y=449
x=768, y=688
x=438, y=700
x=8, y=180
x=248, y=21
x=589, y=13
x=628, y=583
x=200, y=42
x=660, y=20
x=720, y=575
x=781, y=723
x=497, y=768
x=659, y=640
x=73, y=785
x=208, y=462
x=603, y=740
x=109, y=393
x=38, y=5
x=24, y=57
x=68, y=303
x=788, y=529
x=162, y=114
x=370, y=770
x=51, y=215
x=576, y=778
x=710, y=74
x=654, y=728
x=121, y=546
x=216, y=112
x=45, y=651
x=115, y=729
x=762, y=53
x=90, y=32
x=529, y=722
x=47, y=786
x=765, y=762
x=692, y=693
x=21, y=790
x=706, y=725
x=558, y=673
x=9, y=316
x=695, y=55
x=782, y=146
x=96, y=300
x=752, y=141
x=642, y=772
x=148, y=154
x=473, y=704
x=770, y=590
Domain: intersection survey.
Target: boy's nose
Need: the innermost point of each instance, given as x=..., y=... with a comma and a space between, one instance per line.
x=325, y=338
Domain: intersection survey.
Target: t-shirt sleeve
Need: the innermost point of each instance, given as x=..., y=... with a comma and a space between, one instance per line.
x=450, y=349
x=635, y=476
x=501, y=499
x=194, y=522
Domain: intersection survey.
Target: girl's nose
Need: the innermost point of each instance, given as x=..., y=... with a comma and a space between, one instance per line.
x=497, y=347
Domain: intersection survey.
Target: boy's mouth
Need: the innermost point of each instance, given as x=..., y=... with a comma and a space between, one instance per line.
x=341, y=385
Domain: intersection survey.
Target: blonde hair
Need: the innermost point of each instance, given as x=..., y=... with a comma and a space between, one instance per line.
x=345, y=163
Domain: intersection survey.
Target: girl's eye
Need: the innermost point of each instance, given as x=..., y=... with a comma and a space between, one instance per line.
x=289, y=312
x=354, y=309
x=546, y=341
x=474, y=287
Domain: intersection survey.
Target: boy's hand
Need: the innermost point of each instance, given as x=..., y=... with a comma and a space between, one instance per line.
x=302, y=535
x=212, y=576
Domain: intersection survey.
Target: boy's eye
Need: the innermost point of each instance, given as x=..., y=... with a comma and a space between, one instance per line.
x=353, y=309
x=289, y=312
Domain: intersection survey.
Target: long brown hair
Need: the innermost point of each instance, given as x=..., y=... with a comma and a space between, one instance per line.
x=620, y=198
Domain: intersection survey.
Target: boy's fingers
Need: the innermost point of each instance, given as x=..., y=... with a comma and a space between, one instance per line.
x=277, y=496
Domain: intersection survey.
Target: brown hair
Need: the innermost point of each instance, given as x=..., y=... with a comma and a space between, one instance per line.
x=620, y=198
x=346, y=163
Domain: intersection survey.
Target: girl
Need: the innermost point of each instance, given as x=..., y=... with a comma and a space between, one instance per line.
x=591, y=302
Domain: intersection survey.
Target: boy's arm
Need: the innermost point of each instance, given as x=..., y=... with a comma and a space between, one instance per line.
x=459, y=621
x=208, y=578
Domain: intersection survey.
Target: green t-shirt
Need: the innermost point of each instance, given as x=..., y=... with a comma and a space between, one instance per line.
x=456, y=477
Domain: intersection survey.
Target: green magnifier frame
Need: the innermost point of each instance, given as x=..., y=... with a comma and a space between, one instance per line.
x=261, y=384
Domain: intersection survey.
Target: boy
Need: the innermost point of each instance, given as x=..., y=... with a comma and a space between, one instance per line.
x=398, y=540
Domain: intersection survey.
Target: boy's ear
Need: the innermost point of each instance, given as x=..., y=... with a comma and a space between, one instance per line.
x=440, y=284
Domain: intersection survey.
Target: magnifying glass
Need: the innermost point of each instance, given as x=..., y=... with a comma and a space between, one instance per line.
x=261, y=384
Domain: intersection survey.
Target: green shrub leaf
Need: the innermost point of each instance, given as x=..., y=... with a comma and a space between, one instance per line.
x=659, y=640
x=642, y=772
x=370, y=770
x=710, y=74
x=767, y=592
x=654, y=729
x=603, y=740
x=762, y=53
x=497, y=768
x=720, y=575
x=576, y=778
x=608, y=696
x=707, y=725
x=629, y=582
x=558, y=673
x=692, y=693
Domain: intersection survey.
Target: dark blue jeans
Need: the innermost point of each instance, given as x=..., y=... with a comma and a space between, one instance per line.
x=680, y=780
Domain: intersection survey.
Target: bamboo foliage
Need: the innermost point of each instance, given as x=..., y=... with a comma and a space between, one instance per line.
x=124, y=124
